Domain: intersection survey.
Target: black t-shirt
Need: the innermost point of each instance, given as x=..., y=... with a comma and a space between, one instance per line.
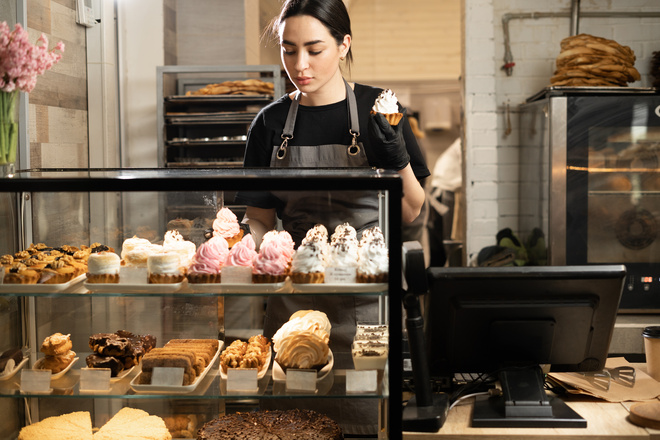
x=317, y=125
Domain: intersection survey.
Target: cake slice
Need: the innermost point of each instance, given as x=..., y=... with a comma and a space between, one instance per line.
x=72, y=426
x=132, y=423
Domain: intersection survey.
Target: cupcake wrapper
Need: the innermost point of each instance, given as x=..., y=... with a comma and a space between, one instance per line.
x=307, y=278
x=203, y=278
x=165, y=279
x=267, y=279
x=364, y=278
x=103, y=278
x=392, y=118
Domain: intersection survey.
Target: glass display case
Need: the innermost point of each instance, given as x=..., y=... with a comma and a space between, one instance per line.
x=589, y=180
x=89, y=207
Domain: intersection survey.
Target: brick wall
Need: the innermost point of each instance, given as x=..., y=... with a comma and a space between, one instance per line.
x=491, y=133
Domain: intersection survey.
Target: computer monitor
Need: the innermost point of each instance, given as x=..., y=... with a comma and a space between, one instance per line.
x=510, y=321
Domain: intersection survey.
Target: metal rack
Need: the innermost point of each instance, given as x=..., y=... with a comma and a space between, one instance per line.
x=207, y=131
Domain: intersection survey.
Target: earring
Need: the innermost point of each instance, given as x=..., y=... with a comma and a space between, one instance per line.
x=342, y=58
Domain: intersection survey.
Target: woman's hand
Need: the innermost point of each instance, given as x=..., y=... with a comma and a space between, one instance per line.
x=390, y=147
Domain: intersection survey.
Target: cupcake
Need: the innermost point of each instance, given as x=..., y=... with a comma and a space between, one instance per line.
x=103, y=267
x=343, y=256
x=387, y=104
x=373, y=259
x=208, y=261
x=135, y=251
x=164, y=268
x=307, y=266
x=19, y=273
x=270, y=265
x=174, y=242
x=226, y=226
x=237, y=268
x=319, y=235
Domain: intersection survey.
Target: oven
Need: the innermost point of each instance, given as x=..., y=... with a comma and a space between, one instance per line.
x=590, y=180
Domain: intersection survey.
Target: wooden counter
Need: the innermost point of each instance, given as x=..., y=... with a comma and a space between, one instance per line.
x=604, y=421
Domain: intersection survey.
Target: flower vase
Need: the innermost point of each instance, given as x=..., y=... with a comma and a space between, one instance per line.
x=8, y=132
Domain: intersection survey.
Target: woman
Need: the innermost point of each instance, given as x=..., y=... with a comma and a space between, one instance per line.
x=325, y=123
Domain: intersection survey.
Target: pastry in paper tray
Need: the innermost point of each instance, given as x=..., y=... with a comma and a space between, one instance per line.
x=644, y=387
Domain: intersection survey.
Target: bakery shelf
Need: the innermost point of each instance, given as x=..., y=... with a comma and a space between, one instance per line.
x=211, y=387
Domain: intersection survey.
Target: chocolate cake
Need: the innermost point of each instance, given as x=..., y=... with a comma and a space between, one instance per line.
x=286, y=424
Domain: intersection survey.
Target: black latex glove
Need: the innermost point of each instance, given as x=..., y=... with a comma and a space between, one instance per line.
x=389, y=146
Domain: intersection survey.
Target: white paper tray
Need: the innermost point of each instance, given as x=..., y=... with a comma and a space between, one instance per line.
x=261, y=373
x=182, y=389
x=9, y=374
x=56, y=376
x=133, y=288
x=279, y=374
x=42, y=288
x=340, y=288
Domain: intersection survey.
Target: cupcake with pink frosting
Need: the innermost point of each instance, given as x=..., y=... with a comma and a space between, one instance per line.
x=271, y=264
x=237, y=268
x=208, y=261
x=226, y=226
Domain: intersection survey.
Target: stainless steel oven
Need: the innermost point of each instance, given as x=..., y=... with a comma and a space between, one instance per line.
x=590, y=180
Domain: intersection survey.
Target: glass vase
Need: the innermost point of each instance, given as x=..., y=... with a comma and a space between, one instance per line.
x=8, y=132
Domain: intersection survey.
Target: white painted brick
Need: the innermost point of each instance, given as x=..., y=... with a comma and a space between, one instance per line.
x=482, y=121
x=482, y=173
x=508, y=173
x=485, y=191
x=484, y=209
x=483, y=84
x=485, y=228
x=508, y=155
x=485, y=137
x=484, y=103
x=508, y=190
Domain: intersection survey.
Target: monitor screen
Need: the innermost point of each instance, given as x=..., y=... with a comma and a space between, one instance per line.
x=503, y=320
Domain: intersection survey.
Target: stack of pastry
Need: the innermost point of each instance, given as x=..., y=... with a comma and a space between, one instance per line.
x=118, y=351
x=586, y=60
x=133, y=423
x=192, y=355
x=57, y=348
x=43, y=264
x=302, y=342
x=251, y=354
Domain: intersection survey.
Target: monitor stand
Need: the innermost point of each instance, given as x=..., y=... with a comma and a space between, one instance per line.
x=524, y=404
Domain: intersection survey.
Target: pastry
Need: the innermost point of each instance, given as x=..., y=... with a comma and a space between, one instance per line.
x=226, y=226
x=133, y=423
x=135, y=251
x=373, y=259
x=10, y=358
x=175, y=243
x=75, y=426
x=370, y=346
x=251, y=354
x=98, y=361
x=302, y=342
x=271, y=264
x=18, y=273
x=301, y=424
x=165, y=268
x=237, y=268
x=103, y=267
x=208, y=261
x=307, y=266
x=388, y=106
x=343, y=257
x=57, y=363
x=56, y=344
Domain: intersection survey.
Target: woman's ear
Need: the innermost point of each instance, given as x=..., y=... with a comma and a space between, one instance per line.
x=345, y=46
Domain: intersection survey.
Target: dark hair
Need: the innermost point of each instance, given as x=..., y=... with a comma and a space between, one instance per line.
x=332, y=13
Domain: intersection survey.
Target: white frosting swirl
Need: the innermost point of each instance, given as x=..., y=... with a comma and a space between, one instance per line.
x=308, y=259
x=386, y=103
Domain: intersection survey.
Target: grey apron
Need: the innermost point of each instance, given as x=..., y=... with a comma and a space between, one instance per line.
x=302, y=211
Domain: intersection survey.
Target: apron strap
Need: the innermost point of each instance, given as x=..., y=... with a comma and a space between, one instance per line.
x=353, y=120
